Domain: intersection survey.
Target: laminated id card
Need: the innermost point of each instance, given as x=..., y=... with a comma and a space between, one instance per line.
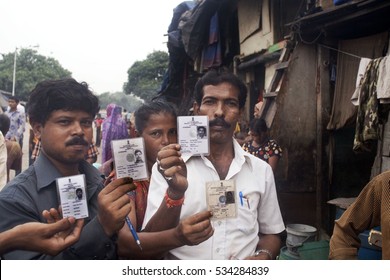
x=129, y=158
x=193, y=135
x=73, y=196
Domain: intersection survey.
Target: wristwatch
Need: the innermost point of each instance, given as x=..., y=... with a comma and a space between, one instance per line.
x=258, y=252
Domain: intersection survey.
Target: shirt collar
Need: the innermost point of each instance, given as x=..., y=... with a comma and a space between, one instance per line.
x=240, y=156
x=47, y=173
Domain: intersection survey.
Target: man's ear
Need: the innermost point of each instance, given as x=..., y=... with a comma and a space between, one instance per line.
x=195, y=108
x=37, y=128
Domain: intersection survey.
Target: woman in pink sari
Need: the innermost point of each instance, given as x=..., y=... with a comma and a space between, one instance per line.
x=113, y=128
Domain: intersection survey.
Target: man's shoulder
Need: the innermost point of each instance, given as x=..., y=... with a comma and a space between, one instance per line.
x=21, y=186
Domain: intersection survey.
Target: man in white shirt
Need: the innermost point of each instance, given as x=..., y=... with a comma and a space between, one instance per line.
x=3, y=162
x=247, y=227
x=17, y=125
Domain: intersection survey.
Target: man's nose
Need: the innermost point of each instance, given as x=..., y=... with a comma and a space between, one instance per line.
x=219, y=111
x=77, y=128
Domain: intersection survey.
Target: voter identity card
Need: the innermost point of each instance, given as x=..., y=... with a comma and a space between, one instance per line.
x=193, y=135
x=129, y=157
x=221, y=198
x=73, y=196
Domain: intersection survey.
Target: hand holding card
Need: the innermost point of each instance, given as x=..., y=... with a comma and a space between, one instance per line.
x=114, y=204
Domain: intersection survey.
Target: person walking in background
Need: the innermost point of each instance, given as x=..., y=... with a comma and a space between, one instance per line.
x=261, y=145
x=3, y=161
x=114, y=127
x=98, y=124
x=14, y=153
x=17, y=125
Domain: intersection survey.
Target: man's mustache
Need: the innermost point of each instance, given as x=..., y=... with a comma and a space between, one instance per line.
x=77, y=141
x=219, y=122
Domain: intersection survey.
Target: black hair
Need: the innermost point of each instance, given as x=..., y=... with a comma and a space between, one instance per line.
x=258, y=125
x=215, y=77
x=4, y=123
x=16, y=99
x=143, y=113
x=64, y=94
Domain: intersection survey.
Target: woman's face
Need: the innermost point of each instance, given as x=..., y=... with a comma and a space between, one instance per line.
x=160, y=130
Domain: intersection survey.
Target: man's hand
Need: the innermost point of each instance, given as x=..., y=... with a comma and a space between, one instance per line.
x=52, y=215
x=195, y=229
x=47, y=238
x=114, y=204
x=172, y=167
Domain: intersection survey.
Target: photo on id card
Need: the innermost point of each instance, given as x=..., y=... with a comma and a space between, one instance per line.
x=193, y=135
x=73, y=196
x=129, y=158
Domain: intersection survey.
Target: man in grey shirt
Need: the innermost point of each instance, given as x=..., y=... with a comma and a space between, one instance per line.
x=61, y=114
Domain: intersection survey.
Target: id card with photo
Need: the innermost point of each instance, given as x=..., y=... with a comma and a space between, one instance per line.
x=193, y=135
x=129, y=158
x=73, y=196
x=221, y=199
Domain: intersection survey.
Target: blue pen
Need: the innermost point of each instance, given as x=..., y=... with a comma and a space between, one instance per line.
x=241, y=198
x=133, y=232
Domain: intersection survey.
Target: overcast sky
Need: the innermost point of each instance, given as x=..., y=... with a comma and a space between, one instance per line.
x=97, y=40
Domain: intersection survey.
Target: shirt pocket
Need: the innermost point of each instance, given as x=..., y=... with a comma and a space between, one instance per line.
x=247, y=213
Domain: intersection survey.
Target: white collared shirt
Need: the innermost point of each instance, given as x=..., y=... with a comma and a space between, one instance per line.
x=3, y=162
x=234, y=238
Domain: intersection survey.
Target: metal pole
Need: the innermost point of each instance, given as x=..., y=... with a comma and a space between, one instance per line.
x=14, y=75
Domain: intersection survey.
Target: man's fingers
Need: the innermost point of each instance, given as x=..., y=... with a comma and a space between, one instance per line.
x=55, y=214
x=77, y=229
x=59, y=226
x=199, y=217
x=119, y=182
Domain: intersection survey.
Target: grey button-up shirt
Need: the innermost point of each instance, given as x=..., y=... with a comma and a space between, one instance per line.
x=35, y=190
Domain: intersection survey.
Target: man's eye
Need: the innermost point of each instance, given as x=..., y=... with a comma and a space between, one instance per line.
x=86, y=123
x=155, y=133
x=64, y=122
x=232, y=103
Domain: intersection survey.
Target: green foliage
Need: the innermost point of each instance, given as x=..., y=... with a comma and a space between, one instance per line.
x=31, y=68
x=145, y=77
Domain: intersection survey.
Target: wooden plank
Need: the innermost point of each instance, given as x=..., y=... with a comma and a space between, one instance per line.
x=282, y=65
x=270, y=94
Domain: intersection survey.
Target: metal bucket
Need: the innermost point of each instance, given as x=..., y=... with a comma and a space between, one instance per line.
x=297, y=234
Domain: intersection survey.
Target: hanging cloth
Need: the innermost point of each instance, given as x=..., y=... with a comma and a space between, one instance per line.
x=367, y=116
x=211, y=53
x=383, y=84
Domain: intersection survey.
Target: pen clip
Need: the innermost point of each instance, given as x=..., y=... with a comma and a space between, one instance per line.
x=241, y=198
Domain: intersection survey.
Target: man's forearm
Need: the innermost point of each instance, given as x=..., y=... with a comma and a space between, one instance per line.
x=165, y=218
